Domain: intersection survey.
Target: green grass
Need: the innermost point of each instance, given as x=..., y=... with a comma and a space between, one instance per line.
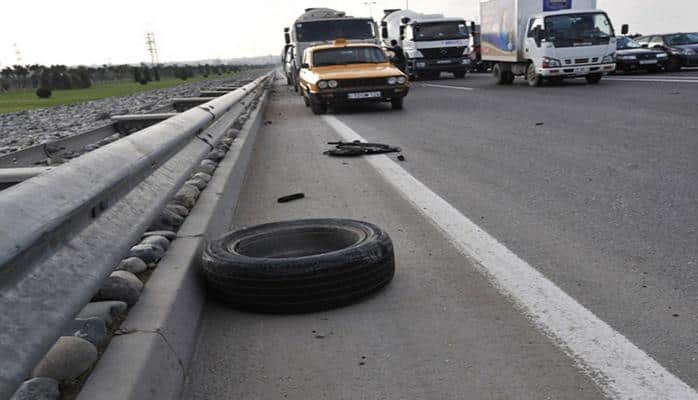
x=25, y=100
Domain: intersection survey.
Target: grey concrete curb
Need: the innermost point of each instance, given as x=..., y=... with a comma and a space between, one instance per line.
x=149, y=359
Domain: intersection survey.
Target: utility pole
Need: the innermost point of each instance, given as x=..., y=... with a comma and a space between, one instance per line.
x=370, y=7
x=152, y=47
x=18, y=55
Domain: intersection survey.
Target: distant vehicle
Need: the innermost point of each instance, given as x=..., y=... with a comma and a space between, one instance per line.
x=631, y=56
x=681, y=47
x=322, y=26
x=344, y=73
x=547, y=40
x=431, y=43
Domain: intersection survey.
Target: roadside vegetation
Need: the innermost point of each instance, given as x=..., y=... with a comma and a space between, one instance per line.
x=27, y=99
x=37, y=86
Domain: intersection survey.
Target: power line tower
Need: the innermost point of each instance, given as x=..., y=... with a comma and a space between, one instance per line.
x=152, y=47
x=18, y=55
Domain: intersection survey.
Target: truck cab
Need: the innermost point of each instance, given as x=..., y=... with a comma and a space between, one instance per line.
x=318, y=26
x=565, y=45
x=431, y=43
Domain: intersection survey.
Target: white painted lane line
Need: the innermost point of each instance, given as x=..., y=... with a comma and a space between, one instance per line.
x=619, y=368
x=447, y=86
x=660, y=80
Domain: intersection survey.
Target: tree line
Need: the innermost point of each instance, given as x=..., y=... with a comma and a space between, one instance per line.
x=45, y=79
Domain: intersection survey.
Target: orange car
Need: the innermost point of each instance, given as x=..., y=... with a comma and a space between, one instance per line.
x=344, y=73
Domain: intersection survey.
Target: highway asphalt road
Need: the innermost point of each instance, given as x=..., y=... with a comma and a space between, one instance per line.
x=578, y=279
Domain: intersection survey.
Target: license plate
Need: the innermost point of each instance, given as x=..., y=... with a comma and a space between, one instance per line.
x=364, y=95
x=443, y=62
x=648, y=62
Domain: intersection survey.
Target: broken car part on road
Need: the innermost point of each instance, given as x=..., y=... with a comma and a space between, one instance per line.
x=356, y=148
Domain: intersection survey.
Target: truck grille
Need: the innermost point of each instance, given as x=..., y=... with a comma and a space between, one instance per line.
x=351, y=83
x=581, y=61
x=442, y=52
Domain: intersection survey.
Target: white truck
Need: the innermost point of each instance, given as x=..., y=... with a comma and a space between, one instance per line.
x=431, y=43
x=546, y=40
x=318, y=26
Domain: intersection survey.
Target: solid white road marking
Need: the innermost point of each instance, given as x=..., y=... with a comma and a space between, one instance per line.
x=619, y=368
x=447, y=86
x=661, y=80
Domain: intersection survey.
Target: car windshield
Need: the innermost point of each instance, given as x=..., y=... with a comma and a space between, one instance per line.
x=681, y=39
x=625, y=43
x=323, y=31
x=441, y=31
x=348, y=55
x=573, y=30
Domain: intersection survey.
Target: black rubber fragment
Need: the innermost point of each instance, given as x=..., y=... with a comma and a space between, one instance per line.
x=290, y=197
x=356, y=148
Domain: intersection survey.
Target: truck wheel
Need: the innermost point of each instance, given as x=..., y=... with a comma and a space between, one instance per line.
x=318, y=108
x=593, y=79
x=299, y=266
x=459, y=74
x=533, y=77
x=397, y=103
x=502, y=77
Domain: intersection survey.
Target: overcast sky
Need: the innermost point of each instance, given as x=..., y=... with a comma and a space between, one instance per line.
x=92, y=32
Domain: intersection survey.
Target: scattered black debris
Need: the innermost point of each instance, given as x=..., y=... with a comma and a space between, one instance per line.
x=291, y=197
x=356, y=148
x=401, y=157
x=674, y=315
x=540, y=123
x=268, y=122
x=362, y=363
x=319, y=336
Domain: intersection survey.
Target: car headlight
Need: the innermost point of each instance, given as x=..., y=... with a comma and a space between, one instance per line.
x=401, y=80
x=322, y=84
x=332, y=84
x=465, y=61
x=392, y=80
x=421, y=64
x=551, y=62
x=627, y=58
x=662, y=55
x=610, y=58
x=688, y=52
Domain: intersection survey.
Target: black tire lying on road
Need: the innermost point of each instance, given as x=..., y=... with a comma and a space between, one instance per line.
x=299, y=266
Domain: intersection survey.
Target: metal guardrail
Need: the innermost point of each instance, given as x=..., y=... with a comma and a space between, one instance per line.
x=62, y=232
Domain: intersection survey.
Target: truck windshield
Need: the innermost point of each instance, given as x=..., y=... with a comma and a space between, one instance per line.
x=329, y=30
x=440, y=31
x=572, y=30
x=348, y=55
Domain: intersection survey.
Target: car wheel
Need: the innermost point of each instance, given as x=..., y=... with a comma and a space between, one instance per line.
x=459, y=74
x=532, y=76
x=397, y=103
x=306, y=101
x=593, y=79
x=674, y=65
x=318, y=108
x=299, y=266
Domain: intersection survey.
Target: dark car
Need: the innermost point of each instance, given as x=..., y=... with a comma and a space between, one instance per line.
x=681, y=47
x=631, y=56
